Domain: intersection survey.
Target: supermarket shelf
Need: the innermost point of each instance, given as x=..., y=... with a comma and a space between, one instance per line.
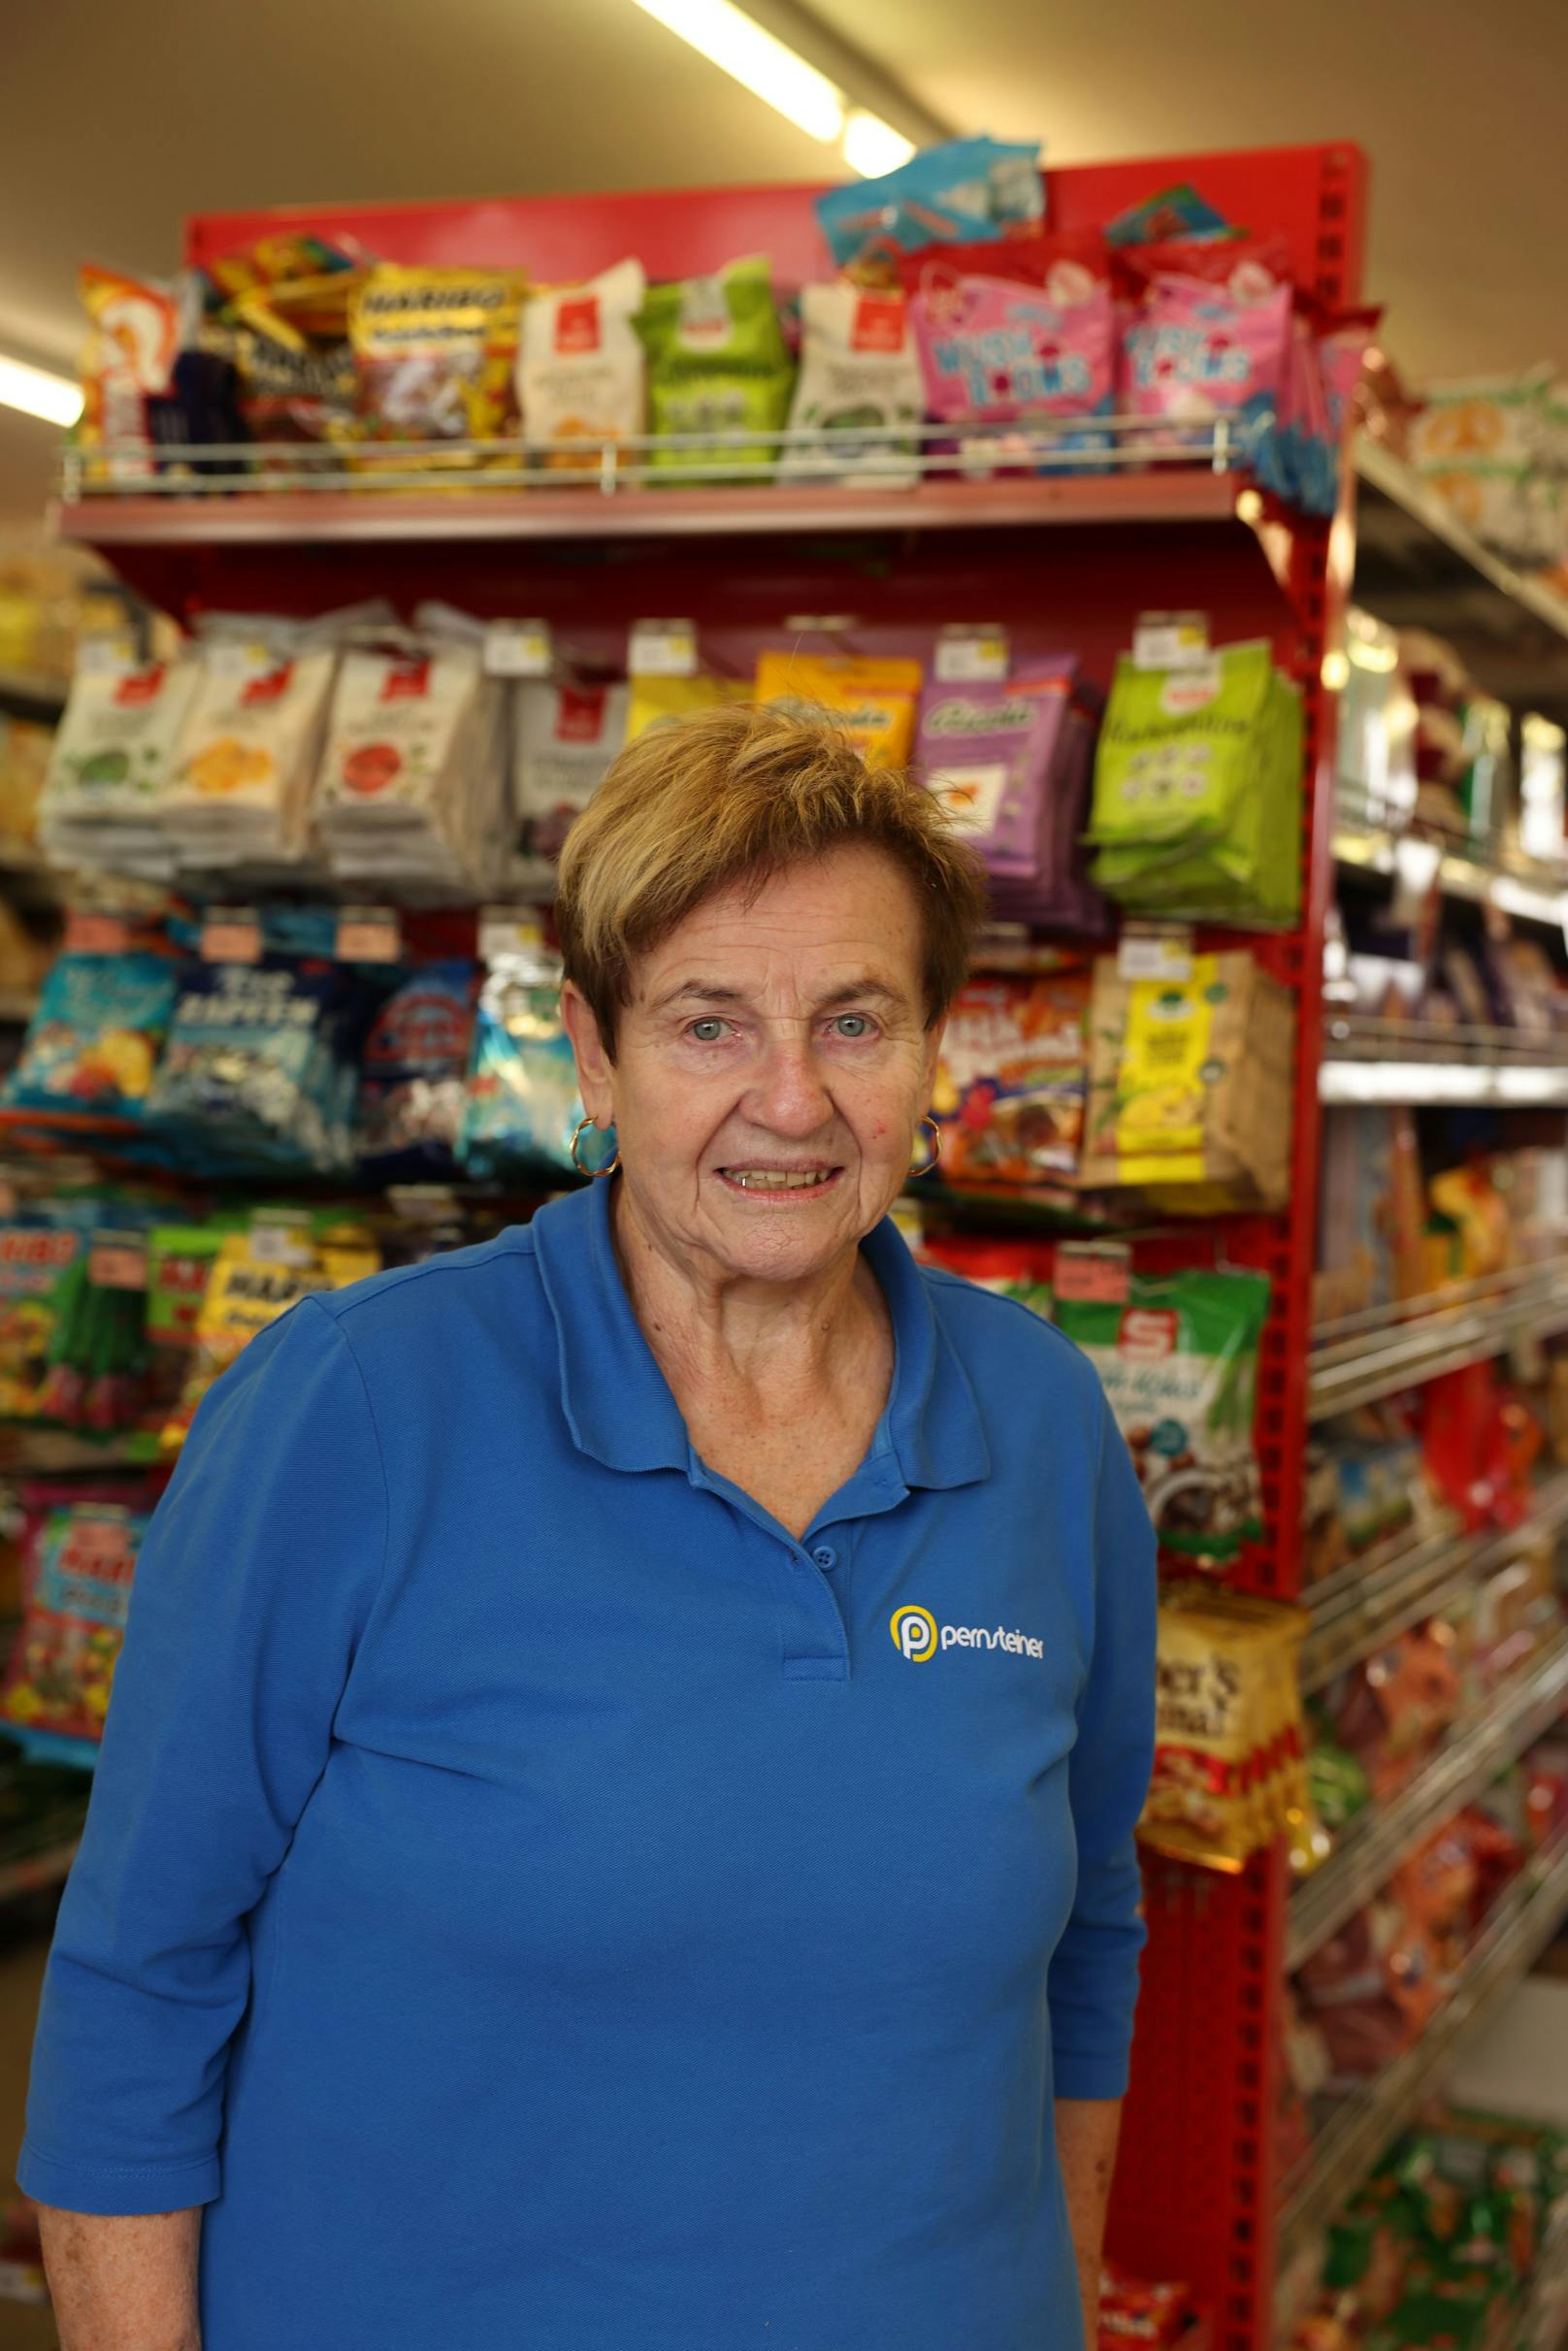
x=1525, y=1708
x=1364, y=1357
x=1367, y=1059
x=1418, y=566
x=1374, y=1598
x=1520, y=887
x=1359, y=2128
x=257, y=492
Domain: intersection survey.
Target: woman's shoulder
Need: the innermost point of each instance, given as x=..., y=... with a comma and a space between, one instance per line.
x=994, y=1332
x=433, y=1312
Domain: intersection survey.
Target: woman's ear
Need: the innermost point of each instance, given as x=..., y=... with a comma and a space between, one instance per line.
x=594, y=1069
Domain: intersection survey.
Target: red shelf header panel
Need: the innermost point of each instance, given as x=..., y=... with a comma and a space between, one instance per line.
x=685, y=232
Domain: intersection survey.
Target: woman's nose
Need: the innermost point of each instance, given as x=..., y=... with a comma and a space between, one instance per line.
x=790, y=1096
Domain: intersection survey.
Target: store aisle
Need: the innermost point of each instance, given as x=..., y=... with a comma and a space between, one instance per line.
x=23, y=1950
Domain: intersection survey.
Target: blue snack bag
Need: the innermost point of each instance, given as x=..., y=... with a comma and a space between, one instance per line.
x=1175, y=211
x=523, y=1106
x=93, y=1044
x=960, y=192
x=413, y=1079
x=257, y=1072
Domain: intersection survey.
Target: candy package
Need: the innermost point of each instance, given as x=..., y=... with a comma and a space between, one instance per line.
x=38, y=1257
x=1177, y=1356
x=260, y=1068
x=127, y=366
x=238, y=793
x=288, y=341
x=1196, y=351
x=93, y=1043
x=1011, y=1079
x=1226, y=1721
x=871, y=700
x=962, y=192
x=650, y=701
x=563, y=737
x=858, y=394
x=61, y=1671
x=522, y=1106
x=410, y=785
x=1176, y=211
x=581, y=371
x=111, y=762
x=414, y=1070
x=96, y=1355
x=435, y=349
x=1010, y=761
x=1190, y=1085
x=1197, y=789
x=180, y=1261
x=719, y=372
x=1004, y=336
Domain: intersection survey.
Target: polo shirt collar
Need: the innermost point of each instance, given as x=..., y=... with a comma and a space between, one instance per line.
x=618, y=1404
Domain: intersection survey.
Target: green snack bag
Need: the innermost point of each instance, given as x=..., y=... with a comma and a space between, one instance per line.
x=1196, y=806
x=1178, y=1361
x=717, y=363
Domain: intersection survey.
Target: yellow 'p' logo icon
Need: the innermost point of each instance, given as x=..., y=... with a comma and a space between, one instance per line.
x=914, y=1633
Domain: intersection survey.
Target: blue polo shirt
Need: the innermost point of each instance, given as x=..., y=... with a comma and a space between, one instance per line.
x=536, y=1904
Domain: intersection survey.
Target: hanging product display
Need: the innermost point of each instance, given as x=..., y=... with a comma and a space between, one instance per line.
x=581, y=374
x=1010, y=760
x=239, y=784
x=112, y=757
x=859, y=397
x=563, y=737
x=719, y=372
x=409, y=786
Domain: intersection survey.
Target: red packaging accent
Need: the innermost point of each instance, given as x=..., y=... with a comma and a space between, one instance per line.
x=880, y=324
x=576, y=324
x=1147, y=1333
x=140, y=686
x=408, y=680
x=269, y=689
x=579, y=714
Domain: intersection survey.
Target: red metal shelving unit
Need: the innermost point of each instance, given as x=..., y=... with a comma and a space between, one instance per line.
x=1196, y=2188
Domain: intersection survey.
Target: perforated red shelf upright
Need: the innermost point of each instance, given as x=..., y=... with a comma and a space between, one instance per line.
x=1065, y=564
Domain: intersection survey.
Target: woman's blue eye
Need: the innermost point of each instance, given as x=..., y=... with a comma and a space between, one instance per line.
x=707, y=1032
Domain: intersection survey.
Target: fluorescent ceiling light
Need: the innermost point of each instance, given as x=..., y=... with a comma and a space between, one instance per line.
x=729, y=39
x=872, y=147
x=36, y=393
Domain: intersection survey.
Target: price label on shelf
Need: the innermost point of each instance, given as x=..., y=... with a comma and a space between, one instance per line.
x=282, y=1243
x=231, y=934
x=1170, y=640
x=509, y=930
x=90, y=930
x=966, y=657
x=519, y=648
x=1154, y=955
x=369, y=934
x=118, y=1261
x=1094, y=1273
x=661, y=648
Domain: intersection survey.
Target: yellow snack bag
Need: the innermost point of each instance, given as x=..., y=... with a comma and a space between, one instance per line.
x=1225, y=1714
x=655, y=699
x=436, y=352
x=873, y=701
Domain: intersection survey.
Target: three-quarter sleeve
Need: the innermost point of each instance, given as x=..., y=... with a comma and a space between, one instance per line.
x=252, y=1588
x=1093, y=1981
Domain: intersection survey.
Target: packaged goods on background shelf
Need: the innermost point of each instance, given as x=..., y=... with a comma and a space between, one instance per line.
x=965, y=192
x=719, y=371
x=1197, y=789
x=93, y=1044
x=246, y=757
x=1190, y=1084
x=522, y=1105
x=80, y=1565
x=1156, y=2314
x=414, y=1076
x=1446, y=2242
x=563, y=737
x=1012, y=1078
x=580, y=368
x=411, y=785
x=436, y=352
x=873, y=701
x=1229, y=1773
x=1009, y=758
x=112, y=762
x=1494, y=448
x=859, y=396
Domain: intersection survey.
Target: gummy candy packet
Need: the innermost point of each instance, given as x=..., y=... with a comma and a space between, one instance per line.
x=581, y=371
x=436, y=352
x=61, y=1671
x=719, y=371
x=859, y=393
x=872, y=700
x=960, y=191
x=93, y=1043
x=412, y=1075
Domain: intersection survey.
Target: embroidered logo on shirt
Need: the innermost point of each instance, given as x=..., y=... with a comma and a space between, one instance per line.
x=917, y=1636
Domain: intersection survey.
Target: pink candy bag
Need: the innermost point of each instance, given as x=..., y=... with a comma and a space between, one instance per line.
x=1196, y=351
x=993, y=350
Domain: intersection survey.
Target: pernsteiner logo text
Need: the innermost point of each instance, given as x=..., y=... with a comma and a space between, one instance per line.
x=917, y=1636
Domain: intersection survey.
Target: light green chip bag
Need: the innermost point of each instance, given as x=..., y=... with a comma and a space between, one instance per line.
x=717, y=363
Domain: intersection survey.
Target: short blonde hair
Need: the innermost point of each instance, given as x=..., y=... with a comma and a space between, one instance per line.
x=737, y=794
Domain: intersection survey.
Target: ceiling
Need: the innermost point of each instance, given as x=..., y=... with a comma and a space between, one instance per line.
x=115, y=122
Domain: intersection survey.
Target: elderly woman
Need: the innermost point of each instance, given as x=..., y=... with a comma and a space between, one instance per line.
x=615, y=1824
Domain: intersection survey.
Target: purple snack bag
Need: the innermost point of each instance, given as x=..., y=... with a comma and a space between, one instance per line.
x=1009, y=762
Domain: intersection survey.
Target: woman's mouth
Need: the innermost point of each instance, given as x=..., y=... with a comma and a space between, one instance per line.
x=779, y=1182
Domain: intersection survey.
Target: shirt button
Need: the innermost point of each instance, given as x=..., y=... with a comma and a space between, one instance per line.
x=824, y=1558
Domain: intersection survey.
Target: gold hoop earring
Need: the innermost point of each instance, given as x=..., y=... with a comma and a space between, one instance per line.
x=594, y=1172
x=915, y=1173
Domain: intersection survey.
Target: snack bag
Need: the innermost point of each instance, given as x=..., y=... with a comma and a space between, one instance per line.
x=412, y=1075
x=409, y=783
x=1009, y=336
x=180, y=1266
x=288, y=341
x=92, y=1045
x=1178, y=1361
x=1176, y=211
x=1012, y=1078
x=61, y=1671
x=872, y=700
x=1216, y=1716
x=717, y=365
x=859, y=392
x=435, y=349
x=259, y=1273
x=259, y=1069
x=650, y=701
x=563, y=737
x=1194, y=352
x=111, y=761
x=959, y=192
x=38, y=1257
x=1011, y=768
x=247, y=751
x=581, y=367
x=128, y=364
x=1197, y=789
x=523, y=1106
